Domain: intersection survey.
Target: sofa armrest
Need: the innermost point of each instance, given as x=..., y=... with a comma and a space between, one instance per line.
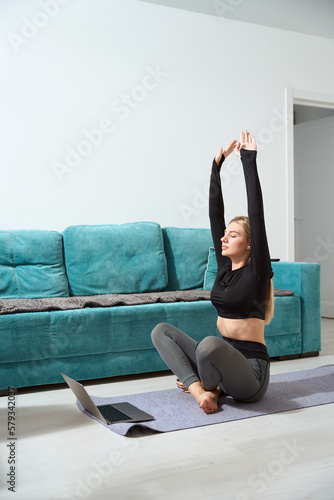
x=304, y=279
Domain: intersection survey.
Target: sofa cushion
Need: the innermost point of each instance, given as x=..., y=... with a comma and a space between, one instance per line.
x=31, y=264
x=210, y=270
x=126, y=258
x=186, y=252
x=25, y=337
x=285, y=307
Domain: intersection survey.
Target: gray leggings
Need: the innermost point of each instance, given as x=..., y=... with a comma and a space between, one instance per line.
x=214, y=362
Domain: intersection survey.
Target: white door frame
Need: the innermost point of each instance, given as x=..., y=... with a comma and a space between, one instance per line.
x=306, y=98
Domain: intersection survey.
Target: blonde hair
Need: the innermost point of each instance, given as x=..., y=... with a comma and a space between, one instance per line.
x=269, y=314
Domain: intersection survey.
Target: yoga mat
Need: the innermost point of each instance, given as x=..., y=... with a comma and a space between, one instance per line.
x=174, y=409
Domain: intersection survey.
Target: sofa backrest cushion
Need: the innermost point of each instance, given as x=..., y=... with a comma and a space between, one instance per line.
x=126, y=258
x=210, y=270
x=32, y=265
x=186, y=252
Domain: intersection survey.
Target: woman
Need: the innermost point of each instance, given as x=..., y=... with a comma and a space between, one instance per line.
x=238, y=363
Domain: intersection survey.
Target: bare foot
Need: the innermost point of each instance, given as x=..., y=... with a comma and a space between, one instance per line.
x=181, y=386
x=208, y=402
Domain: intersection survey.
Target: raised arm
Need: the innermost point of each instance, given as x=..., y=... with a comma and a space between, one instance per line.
x=259, y=251
x=216, y=204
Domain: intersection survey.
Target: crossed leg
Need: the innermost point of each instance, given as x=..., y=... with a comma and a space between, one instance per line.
x=178, y=350
x=206, y=368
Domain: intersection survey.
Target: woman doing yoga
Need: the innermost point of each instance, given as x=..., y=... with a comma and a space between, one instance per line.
x=236, y=364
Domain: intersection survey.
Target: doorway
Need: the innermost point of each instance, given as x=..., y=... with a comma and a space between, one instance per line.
x=312, y=158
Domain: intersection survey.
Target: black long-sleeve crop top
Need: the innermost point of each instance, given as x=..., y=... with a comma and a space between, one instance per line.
x=240, y=293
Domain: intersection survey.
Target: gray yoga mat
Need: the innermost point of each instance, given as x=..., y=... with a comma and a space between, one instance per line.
x=174, y=409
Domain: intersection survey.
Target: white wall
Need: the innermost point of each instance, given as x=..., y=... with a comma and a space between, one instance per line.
x=218, y=76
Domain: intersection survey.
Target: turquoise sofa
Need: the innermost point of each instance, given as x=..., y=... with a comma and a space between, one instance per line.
x=63, y=300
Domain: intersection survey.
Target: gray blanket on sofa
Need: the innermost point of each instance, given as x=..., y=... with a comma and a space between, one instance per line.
x=13, y=306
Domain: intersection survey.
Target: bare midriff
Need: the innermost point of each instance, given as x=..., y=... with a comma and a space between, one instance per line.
x=251, y=329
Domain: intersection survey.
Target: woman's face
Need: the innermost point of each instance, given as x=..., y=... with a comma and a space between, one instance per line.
x=235, y=242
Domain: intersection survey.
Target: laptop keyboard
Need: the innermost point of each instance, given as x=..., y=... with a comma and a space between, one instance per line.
x=112, y=414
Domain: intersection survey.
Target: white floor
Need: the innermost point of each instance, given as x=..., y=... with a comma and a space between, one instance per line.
x=62, y=454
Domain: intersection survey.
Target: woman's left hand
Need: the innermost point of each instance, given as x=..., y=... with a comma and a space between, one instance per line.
x=226, y=151
x=247, y=141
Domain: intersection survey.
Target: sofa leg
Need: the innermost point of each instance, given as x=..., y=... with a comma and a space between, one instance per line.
x=3, y=393
x=287, y=357
x=309, y=354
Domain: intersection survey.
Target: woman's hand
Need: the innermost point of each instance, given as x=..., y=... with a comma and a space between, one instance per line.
x=247, y=141
x=226, y=151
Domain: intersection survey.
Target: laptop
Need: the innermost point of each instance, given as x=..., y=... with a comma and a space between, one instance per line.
x=109, y=413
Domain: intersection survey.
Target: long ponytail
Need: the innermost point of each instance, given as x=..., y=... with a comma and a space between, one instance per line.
x=269, y=303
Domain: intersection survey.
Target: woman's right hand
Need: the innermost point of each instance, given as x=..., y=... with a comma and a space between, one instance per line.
x=226, y=151
x=247, y=141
